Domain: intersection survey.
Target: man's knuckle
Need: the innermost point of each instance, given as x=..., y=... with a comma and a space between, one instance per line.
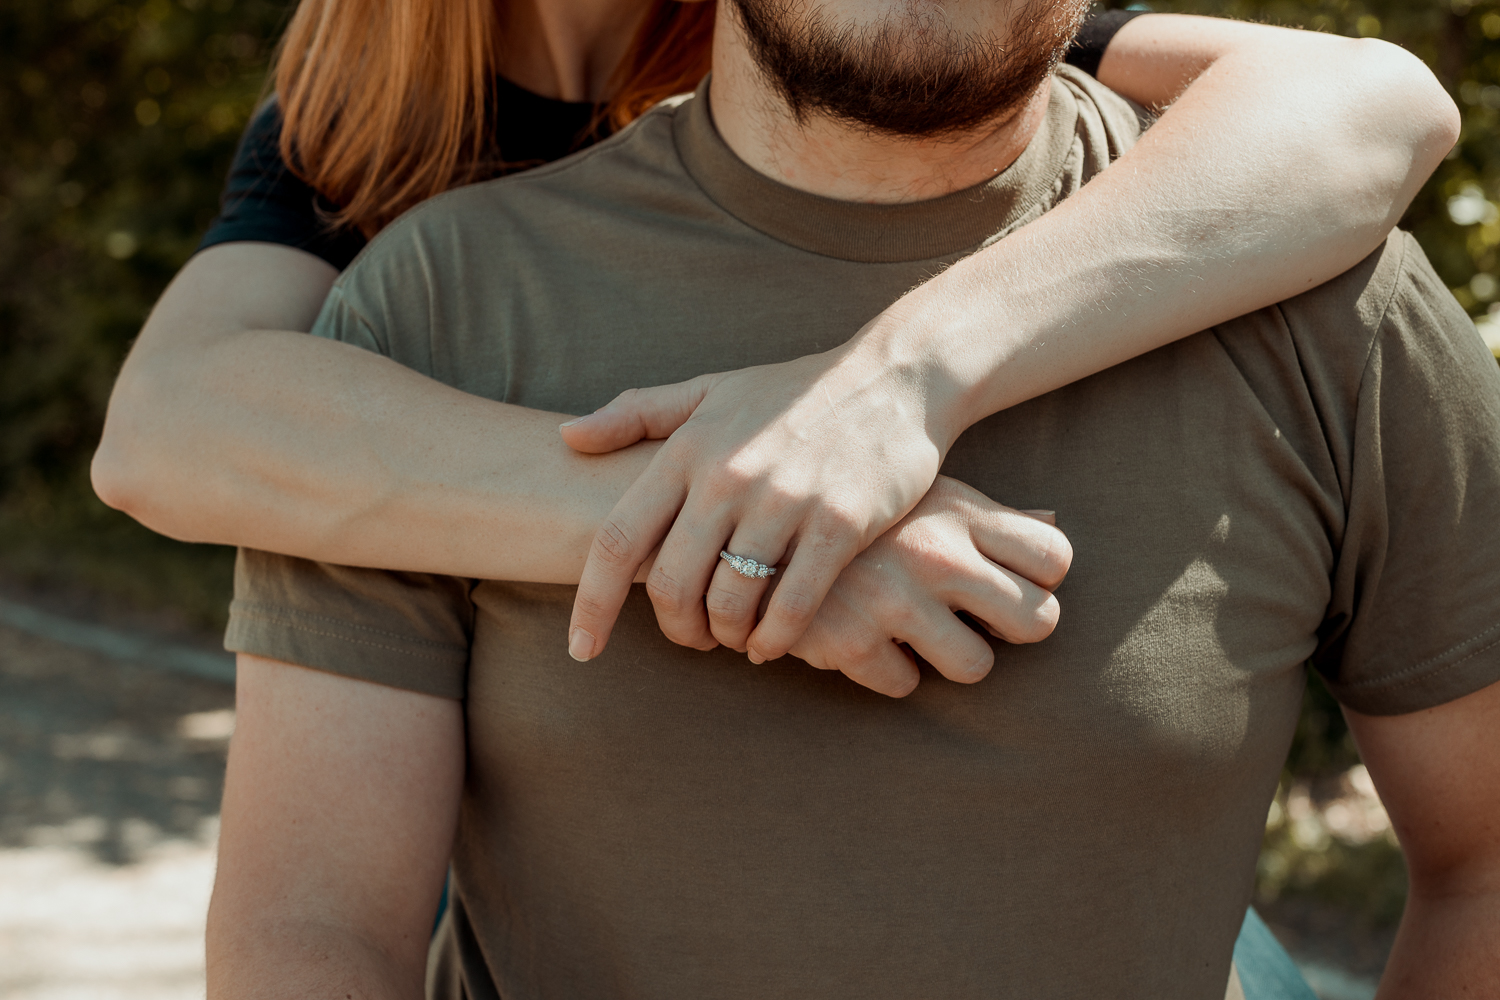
x=897, y=613
x=925, y=550
x=1057, y=559
x=944, y=562
x=858, y=649
x=1042, y=620
x=972, y=668
x=900, y=685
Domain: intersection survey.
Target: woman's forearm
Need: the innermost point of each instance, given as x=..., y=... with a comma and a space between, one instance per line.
x=277, y=440
x=345, y=456
x=1284, y=163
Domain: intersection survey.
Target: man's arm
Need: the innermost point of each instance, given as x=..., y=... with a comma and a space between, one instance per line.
x=340, y=806
x=1438, y=773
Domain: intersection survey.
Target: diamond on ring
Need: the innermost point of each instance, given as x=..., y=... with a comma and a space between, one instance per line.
x=747, y=567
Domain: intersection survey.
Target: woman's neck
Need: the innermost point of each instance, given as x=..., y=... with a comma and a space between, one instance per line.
x=566, y=49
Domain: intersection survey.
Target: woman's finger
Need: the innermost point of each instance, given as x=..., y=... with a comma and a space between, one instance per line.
x=636, y=415
x=816, y=562
x=622, y=544
x=733, y=600
x=687, y=562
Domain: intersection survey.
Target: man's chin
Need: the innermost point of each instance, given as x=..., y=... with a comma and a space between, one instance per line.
x=902, y=80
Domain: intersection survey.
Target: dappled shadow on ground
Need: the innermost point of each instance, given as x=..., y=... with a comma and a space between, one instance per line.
x=105, y=756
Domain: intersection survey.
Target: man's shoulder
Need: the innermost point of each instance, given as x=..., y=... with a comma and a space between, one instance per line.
x=638, y=161
x=1367, y=287
x=1392, y=296
x=445, y=256
x=1113, y=120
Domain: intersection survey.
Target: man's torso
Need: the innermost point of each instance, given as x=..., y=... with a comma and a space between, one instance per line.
x=664, y=822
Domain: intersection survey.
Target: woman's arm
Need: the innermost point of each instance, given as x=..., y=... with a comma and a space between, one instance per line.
x=1285, y=161
x=1285, y=157
x=227, y=425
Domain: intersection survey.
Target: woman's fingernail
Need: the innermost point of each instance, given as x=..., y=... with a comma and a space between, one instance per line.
x=575, y=420
x=755, y=657
x=1034, y=513
x=580, y=645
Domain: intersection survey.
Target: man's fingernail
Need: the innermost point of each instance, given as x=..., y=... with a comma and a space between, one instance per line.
x=575, y=420
x=1033, y=513
x=755, y=657
x=580, y=645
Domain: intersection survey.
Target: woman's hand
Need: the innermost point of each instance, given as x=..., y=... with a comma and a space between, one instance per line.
x=800, y=464
x=949, y=554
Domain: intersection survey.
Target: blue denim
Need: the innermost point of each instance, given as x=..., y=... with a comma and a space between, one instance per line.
x=1266, y=971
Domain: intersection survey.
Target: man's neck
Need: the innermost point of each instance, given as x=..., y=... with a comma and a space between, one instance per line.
x=828, y=158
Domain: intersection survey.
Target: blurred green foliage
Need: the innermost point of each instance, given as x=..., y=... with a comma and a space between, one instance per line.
x=117, y=121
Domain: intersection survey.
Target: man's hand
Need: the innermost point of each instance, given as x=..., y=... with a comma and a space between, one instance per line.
x=949, y=554
x=800, y=464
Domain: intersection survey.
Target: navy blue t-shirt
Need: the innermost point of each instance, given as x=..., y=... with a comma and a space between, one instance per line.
x=265, y=202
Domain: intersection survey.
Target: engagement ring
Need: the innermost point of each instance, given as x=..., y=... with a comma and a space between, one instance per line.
x=747, y=567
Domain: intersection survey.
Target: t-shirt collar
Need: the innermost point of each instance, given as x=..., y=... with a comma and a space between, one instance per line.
x=872, y=233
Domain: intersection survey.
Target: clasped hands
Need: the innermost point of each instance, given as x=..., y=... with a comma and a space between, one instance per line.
x=826, y=466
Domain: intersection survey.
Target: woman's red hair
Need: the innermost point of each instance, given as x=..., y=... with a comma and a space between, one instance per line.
x=385, y=103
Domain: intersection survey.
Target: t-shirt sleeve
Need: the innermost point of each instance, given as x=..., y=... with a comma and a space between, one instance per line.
x=1094, y=37
x=404, y=630
x=264, y=202
x=1414, y=619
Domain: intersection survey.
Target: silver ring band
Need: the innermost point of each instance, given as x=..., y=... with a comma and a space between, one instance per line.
x=747, y=567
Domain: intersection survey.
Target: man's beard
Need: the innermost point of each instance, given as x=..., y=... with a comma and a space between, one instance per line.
x=915, y=75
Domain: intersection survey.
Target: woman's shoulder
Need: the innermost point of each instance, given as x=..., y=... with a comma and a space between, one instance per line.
x=264, y=201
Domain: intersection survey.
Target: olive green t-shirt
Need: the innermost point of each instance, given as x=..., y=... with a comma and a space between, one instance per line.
x=1316, y=481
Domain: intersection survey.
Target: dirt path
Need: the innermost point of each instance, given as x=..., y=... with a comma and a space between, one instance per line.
x=110, y=779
